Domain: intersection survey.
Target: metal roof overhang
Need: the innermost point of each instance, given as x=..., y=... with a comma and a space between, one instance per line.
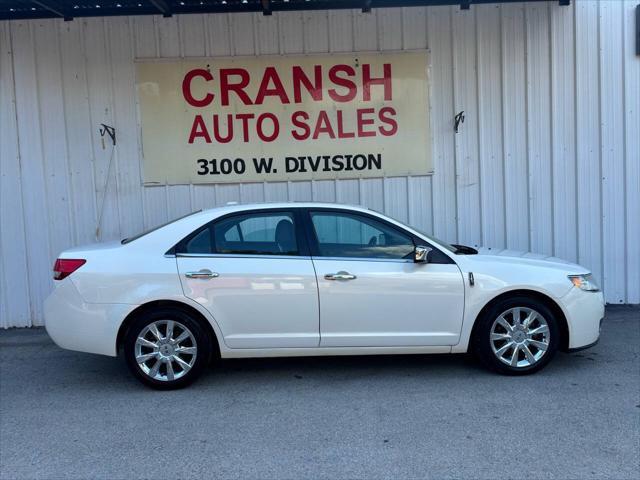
x=70, y=9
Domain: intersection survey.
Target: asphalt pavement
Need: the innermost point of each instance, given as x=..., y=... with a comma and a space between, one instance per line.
x=71, y=415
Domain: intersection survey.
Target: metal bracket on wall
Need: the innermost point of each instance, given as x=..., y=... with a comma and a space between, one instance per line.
x=457, y=120
x=111, y=131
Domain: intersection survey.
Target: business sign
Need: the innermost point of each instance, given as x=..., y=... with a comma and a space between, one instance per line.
x=269, y=118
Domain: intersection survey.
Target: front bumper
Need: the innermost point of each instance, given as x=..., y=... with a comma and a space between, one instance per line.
x=584, y=312
x=86, y=327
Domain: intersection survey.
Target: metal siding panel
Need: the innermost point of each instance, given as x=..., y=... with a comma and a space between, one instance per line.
x=466, y=141
x=291, y=32
x=178, y=201
x=227, y=193
x=299, y=191
x=144, y=35
x=155, y=206
x=192, y=35
x=372, y=193
x=100, y=90
x=252, y=192
x=268, y=34
x=490, y=126
x=396, y=198
x=514, y=127
x=444, y=180
x=588, y=138
x=612, y=150
x=414, y=22
x=538, y=128
x=390, y=33
x=218, y=34
x=323, y=191
x=168, y=36
x=420, y=203
x=563, y=138
x=632, y=152
x=242, y=33
x=348, y=191
x=121, y=48
x=365, y=34
x=34, y=189
x=78, y=132
x=340, y=31
x=13, y=256
x=54, y=151
x=316, y=31
x=276, y=192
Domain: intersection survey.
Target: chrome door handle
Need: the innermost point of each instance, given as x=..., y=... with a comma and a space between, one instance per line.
x=341, y=275
x=204, y=273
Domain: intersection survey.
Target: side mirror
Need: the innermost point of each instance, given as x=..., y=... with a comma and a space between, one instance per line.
x=421, y=254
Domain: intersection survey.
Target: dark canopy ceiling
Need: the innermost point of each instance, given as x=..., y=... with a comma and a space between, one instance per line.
x=69, y=9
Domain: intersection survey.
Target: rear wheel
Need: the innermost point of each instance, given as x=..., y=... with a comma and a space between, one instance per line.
x=516, y=336
x=166, y=348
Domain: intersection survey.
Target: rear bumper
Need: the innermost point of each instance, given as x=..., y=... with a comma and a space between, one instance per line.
x=86, y=327
x=584, y=312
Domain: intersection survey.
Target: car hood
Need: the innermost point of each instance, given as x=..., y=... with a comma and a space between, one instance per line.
x=514, y=257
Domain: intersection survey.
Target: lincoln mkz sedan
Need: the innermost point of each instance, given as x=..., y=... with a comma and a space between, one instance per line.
x=308, y=279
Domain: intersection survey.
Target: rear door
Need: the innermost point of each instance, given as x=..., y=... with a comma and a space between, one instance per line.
x=252, y=271
x=371, y=291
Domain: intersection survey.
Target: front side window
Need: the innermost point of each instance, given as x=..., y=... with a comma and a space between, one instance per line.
x=264, y=233
x=357, y=236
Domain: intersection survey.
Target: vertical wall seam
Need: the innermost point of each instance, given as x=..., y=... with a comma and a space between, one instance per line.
x=527, y=122
x=453, y=108
x=20, y=172
x=114, y=116
x=552, y=123
x=40, y=129
x=505, y=230
x=600, y=170
x=575, y=129
x=623, y=32
x=94, y=190
x=71, y=197
x=479, y=121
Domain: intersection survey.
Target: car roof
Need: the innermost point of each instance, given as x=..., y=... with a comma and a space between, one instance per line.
x=241, y=207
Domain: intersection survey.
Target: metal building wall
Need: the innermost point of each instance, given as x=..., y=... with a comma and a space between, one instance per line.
x=548, y=159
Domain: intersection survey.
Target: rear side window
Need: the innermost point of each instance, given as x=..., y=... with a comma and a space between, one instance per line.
x=261, y=233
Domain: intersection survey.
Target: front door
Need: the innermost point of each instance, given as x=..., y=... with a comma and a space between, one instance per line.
x=251, y=271
x=371, y=291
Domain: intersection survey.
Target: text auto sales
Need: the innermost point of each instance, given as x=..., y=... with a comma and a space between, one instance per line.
x=341, y=83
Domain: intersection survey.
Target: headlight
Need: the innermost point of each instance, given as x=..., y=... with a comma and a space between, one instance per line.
x=584, y=282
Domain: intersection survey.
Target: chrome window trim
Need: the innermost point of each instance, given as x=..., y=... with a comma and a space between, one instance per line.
x=242, y=255
x=364, y=259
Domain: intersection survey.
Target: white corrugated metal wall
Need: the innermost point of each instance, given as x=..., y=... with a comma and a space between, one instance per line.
x=548, y=159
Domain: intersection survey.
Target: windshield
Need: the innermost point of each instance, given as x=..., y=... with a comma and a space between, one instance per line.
x=438, y=242
x=147, y=232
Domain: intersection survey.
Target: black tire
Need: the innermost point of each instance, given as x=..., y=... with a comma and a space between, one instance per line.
x=202, y=343
x=481, y=341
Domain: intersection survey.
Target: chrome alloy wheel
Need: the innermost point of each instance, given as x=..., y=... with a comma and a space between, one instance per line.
x=165, y=350
x=520, y=337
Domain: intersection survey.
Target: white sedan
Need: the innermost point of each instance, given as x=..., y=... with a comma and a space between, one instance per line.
x=304, y=279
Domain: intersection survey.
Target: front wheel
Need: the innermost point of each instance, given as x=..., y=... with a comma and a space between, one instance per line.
x=516, y=336
x=166, y=349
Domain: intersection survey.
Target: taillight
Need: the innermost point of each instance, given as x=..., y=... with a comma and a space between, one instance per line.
x=66, y=266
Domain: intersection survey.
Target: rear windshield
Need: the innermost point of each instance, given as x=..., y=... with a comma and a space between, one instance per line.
x=124, y=241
